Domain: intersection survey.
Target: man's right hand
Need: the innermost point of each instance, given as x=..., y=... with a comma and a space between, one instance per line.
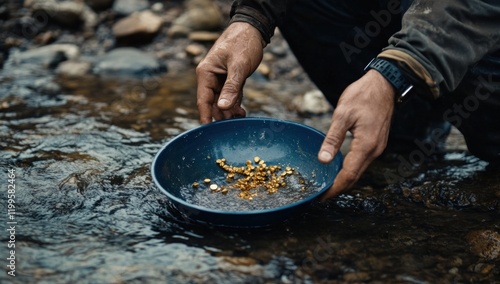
x=222, y=73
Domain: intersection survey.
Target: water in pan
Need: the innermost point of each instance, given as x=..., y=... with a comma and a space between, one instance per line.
x=297, y=188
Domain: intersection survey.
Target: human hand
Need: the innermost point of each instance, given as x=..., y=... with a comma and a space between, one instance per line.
x=365, y=108
x=222, y=73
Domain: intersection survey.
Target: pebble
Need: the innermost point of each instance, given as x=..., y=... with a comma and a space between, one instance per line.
x=48, y=56
x=200, y=15
x=140, y=26
x=203, y=36
x=195, y=49
x=66, y=13
x=127, y=7
x=312, y=102
x=484, y=243
x=46, y=86
x=128, y=61
x=74, y=68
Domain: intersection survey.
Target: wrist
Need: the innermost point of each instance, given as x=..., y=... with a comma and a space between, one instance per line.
x=393, y=76
x=244, y=28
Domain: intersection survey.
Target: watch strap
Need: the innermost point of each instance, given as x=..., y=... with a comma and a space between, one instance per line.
x=392, y=74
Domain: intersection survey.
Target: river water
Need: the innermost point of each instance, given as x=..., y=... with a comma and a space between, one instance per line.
x=87, y=211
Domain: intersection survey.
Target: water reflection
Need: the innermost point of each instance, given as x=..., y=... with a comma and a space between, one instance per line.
x=88, y=211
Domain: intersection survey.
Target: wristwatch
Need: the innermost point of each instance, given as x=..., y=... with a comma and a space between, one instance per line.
x=392, y=74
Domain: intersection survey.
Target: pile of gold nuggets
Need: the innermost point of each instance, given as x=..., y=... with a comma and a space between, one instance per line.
x=251, y=177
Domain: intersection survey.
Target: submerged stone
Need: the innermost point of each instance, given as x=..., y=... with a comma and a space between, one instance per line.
x=127, y=61
x=48, y=56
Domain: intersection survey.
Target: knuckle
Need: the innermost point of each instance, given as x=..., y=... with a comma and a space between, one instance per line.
x=333, y=139
x=202, y=68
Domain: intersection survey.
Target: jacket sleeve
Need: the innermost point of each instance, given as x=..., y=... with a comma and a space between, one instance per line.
x=264, y=15
x=440, y=40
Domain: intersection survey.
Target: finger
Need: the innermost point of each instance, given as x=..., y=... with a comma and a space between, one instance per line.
x=205, y=95
x=334, y=137
x=353, y=166
x=236, y=112
x=231, y=92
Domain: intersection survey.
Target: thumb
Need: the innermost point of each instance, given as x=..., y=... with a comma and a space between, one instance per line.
x=334, y=138
x=230, y=91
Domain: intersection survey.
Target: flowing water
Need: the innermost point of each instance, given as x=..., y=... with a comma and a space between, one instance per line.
x=87, y=211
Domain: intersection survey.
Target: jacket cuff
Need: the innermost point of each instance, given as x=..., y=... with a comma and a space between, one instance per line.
x=414, y=71
x=254, y=18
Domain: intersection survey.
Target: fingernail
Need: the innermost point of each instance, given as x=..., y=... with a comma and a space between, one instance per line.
x=223, y=102
x=325, y=156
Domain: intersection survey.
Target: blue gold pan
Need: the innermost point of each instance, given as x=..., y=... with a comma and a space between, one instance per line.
x=191, y=157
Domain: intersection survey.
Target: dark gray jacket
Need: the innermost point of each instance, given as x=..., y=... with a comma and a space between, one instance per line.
x=438, y=42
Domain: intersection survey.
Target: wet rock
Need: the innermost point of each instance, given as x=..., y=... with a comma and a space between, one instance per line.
x=138, y=27
x=264, y=69
x=200, y=15
x=203, y=36
x=482, y=268
x=195, y=49
x=312, y=102
x=157, y=7
x=66, y=13
x=127, y=7
x=48, y=56
x=46, y=86
x=128, y=61
x=484, y=243
x=45, y=38
x=74, y=68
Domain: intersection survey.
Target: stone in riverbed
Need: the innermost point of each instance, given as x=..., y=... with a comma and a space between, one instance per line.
x=74, y=68
x=48, y=56
x=128, y=61
x=203, y=36
x=140, y=26
x=200, y=15
x=67, y=13
x=127, y=7
x=312, y=102
x=484, y=243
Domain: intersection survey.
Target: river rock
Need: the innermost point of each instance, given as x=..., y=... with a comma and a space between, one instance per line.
x=203, y=36
x=74, y=68
x=127, y=61
x=484, y=243
x=48, y=56
x=195, y=49
x=46, y=86
x=200, y=15
x=312, y=102
x=127, y=7
x=138, y=27
x=67, y=13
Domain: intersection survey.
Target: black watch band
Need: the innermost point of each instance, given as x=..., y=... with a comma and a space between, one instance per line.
x=392, y=73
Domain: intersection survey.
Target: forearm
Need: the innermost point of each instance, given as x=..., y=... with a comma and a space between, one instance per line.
x=264, y=15
x=440, y=40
